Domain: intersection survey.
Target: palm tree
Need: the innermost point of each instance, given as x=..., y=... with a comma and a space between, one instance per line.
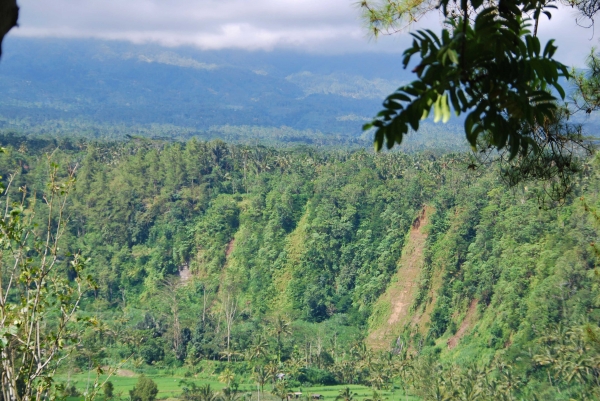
x=345, y=395
x=272, y=370
x=378, y=376
x=261, y=375
x=293, y=366
x=259, y=349
x=346, y=370
x=229, y=354
x=468, y=386
x=207, y=394
x=228, y=394
x=281, y=327
x=281, y=390
x=227, y=376
x=438, y=391
x=402, y=370
x=362, y=355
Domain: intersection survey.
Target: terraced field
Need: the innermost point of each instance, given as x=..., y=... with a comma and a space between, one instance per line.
x=169, y=387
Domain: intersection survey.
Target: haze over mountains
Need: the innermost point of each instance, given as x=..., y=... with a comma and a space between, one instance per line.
x=110, y=89
x=104, y=82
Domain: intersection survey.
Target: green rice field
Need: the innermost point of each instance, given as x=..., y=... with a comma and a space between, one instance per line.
x=169, y=387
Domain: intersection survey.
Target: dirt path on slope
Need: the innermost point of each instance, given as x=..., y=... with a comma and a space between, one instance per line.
x=403, y=288
x=465, y=326
x=422, y=318
x=230, y=247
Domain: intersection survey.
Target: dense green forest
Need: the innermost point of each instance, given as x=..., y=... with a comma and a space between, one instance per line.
x=431, y=136
x=419, y=271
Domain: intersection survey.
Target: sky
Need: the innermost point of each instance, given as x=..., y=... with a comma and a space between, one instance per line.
x=323, y=26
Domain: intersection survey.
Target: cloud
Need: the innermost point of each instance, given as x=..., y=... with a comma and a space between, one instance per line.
x=574, y=41
x=313, y=25
x=207, y=24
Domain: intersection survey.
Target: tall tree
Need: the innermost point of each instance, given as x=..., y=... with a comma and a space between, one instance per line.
x=38, y=299
x=169, y=292
x=261, y=375
x=281, y=327
x=230, y=309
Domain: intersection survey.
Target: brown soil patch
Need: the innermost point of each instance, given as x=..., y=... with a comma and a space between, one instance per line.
x=401, y=293
x=422, y=318
x=230, y=247
x=421, y=321
x=120, y=372
x=410, y=269
x=125, y=373
x=185, y=274
x=466, y=325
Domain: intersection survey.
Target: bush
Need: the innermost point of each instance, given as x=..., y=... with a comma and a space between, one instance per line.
x=191, y=392
x=144, y=390
x=109, y=389
x=152, y=351
x=317, y=376
x=71, y=391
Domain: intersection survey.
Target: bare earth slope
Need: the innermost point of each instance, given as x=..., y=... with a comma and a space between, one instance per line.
x=392, y=310
x=465, y=326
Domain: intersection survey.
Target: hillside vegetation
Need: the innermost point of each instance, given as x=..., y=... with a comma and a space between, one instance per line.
x=333, y=266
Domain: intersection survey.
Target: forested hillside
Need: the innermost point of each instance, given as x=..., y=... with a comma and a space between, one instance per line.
x=333, y=266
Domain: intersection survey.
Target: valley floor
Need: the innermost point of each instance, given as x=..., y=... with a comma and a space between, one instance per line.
x=169, y=386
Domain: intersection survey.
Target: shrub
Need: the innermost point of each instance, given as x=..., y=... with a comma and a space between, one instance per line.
x=71, y=391
x=109, y=389
x=317, y=376
x=144, y=390
x=152, y=351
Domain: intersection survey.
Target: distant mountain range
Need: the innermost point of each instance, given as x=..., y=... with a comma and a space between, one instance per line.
x=110, y=89
x=120, y=83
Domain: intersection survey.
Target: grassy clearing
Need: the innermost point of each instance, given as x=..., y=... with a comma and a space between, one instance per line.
x=169, y=387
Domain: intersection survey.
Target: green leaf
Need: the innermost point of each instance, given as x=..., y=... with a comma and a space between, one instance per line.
x=445, y=109
x=453, y=55
x=560, y=90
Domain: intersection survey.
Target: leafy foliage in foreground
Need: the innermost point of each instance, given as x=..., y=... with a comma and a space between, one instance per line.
x=41, y=287
x=488, y=64
x=486, y=70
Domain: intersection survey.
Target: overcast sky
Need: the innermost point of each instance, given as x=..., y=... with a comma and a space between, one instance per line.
x=311, y=25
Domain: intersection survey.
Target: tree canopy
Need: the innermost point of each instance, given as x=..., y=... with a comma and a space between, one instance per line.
x=488, y=64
